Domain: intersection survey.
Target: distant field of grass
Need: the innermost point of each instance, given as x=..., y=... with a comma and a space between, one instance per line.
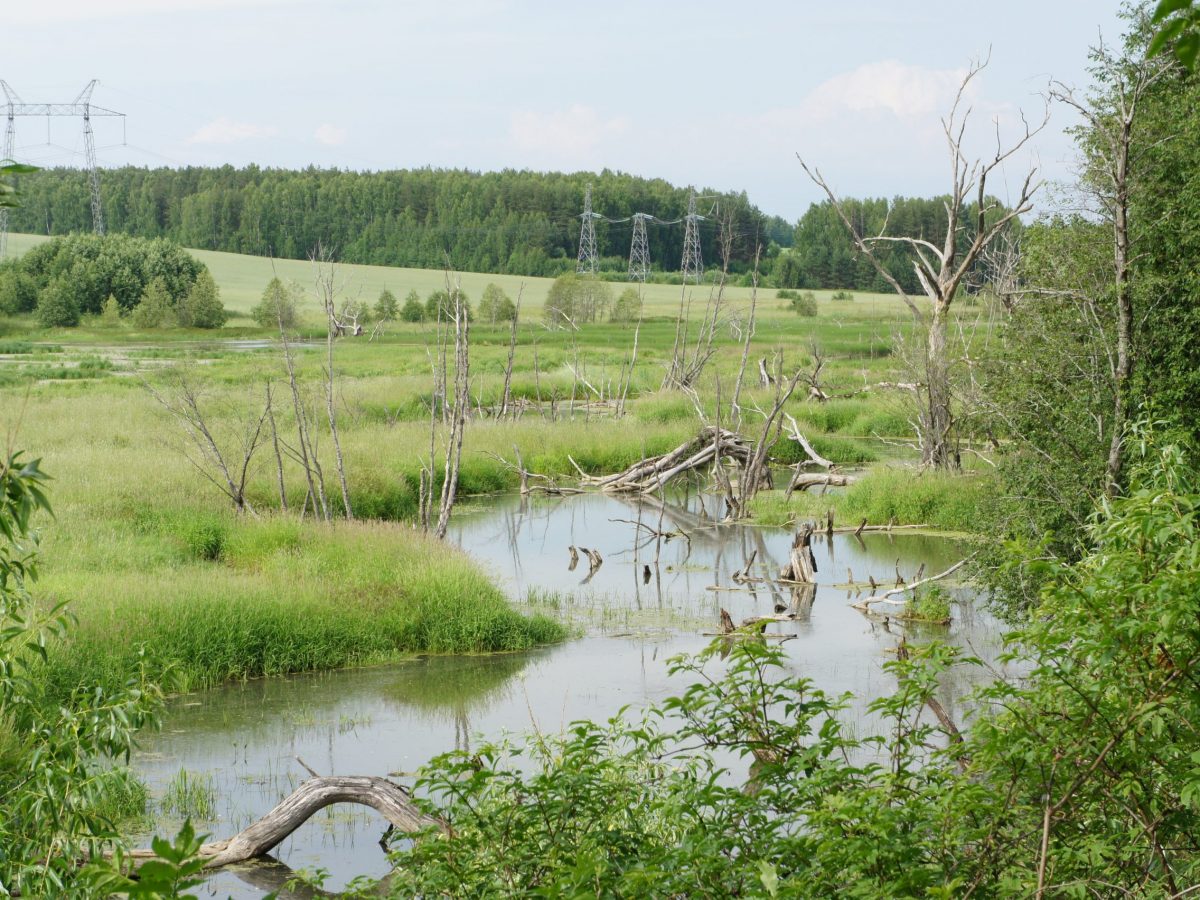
x=242, y=279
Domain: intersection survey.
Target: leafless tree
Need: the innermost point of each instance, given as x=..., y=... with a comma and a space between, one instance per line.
x=734, y=404
x=329, y=287
x=460, y=409
x=506, y=397
x=941, y=269
x=222, y=459
x=688, y=362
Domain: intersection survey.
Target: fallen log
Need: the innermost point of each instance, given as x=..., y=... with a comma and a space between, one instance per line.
x=261, y=837
x=649, y=475
x=802, y=481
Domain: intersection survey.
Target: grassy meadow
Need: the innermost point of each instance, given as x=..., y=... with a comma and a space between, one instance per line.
x=159, y=570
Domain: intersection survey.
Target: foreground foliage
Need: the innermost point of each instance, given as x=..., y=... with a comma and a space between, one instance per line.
x=58, y=790
x=1079, y=779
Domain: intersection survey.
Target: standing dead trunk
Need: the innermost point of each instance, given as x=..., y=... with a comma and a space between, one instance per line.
x=941, y=269
x=328, y=289
x=506, y=397
x=802, y=564
x=458, y=419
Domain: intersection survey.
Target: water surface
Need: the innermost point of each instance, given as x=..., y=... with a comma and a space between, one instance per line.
x=651, y=599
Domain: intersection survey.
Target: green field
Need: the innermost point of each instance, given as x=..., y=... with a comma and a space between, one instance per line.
x=146, y=551
x=242, y=279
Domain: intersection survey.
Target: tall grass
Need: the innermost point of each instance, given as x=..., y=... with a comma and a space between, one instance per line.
x=885, y=494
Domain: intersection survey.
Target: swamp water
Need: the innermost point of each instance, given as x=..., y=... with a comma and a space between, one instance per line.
x=244, y=742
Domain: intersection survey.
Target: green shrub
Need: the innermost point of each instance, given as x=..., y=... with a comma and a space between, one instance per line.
x=277, y=308
x=414, y=309
x=842, y=296
x=156, y=309
x=202, y=307
x=57, y=307
x=804, y=304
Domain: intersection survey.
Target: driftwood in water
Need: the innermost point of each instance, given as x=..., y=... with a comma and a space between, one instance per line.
x=386, y=797
x=890, y=596
x=802, y=565
x=801, y=606
x=743, y=574
x=651, y=474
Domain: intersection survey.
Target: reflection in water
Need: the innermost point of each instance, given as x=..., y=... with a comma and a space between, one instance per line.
x=667, y=572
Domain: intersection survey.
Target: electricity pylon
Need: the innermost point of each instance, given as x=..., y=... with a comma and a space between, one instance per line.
x=586, y=264
x=80, y=107
x=693, y=264
x=639, y=249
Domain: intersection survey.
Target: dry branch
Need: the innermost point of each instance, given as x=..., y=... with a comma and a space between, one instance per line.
x=889, y=596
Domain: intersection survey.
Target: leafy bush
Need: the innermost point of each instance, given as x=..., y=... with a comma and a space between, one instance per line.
x=414, y=310
x=842, y=296
x=387, y=309
x=495, y=305
x=156, y=310
x=202, y=307
x=804, y=304
x=55, y=754
x=277, y=308
x=576, y=299
x=57, y=307
x=628, y=307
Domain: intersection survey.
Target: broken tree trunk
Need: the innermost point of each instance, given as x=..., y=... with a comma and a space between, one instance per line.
x=386, y=797
x=802, y=566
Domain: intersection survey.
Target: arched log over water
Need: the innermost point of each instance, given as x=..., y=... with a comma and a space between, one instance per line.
x=386, y=797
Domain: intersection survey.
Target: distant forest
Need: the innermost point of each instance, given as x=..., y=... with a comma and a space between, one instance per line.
x=515, y=222
x=519, y=222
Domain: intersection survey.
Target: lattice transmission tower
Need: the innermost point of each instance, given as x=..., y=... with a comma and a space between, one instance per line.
x=586, y=264
x=693, y=263
x=81, y=107
x=639, y=249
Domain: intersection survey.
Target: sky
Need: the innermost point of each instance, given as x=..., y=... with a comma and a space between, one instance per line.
x=720, y=95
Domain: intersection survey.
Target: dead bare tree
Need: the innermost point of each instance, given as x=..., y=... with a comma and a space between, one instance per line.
x=756, y=474
x=228, y=467
x=688, y=362
x=305, y=451
x=1111, y=112
x=940, y=270
x=283, y=502
x=628, y=373
x=506, y=397
x=462, y=400
x=329, y=287
x=734, y=405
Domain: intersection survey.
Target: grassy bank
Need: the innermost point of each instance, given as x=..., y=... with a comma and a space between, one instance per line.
x=234, y=598
x=884, y=494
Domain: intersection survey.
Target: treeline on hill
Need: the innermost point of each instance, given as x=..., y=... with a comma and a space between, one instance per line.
x=516, y=222
x=154, y=282
x=823, y=253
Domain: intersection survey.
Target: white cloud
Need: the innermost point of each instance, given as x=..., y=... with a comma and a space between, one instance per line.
x=904, y=91
x=226, y=131
x=330, y=135
x=567, y=134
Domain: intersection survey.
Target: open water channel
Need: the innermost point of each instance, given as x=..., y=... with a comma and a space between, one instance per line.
x=649, y=601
